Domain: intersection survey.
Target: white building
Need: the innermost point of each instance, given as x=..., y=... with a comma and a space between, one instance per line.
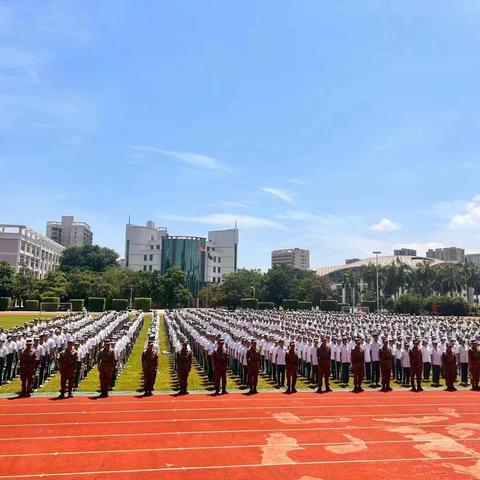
x=143, y=247
x=473, y=258
x=221, y=255
x=20, y=246
x=295, y=257
x=450, y=254
x=70, y=233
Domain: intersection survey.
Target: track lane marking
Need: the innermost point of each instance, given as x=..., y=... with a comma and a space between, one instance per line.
x=215, y=432
x=224, y=447
x=216, y=419
x=255, y=465
x=243, y=408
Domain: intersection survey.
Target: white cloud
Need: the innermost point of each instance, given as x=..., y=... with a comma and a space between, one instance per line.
x=298, y=216
x=228, y=204
x=297, y=181
x=282, y=194
x=385, y=225
x=227, y=220
x=192, y=159
x=469, y=218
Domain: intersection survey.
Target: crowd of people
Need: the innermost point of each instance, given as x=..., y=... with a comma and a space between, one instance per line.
x=323, y=347
x=72, y=344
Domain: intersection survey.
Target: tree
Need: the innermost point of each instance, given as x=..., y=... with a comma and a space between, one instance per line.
x=173, y=288
x=350, y=281
x=312, y=288
x=280, y=283
x=449, y=280
x=25, y=286
x=90, y=257
x=239, y=285
x=80, y=282
x=55, y=284
x=209, y=295
x=6, y=279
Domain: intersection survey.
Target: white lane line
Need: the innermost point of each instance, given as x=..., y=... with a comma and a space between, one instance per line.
x=242, y=408
x=216, y=432
x=255, y=465
x=262, y=398
x=225, y=447
x=217, y=419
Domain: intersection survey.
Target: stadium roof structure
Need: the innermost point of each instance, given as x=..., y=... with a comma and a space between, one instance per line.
x=412, y=262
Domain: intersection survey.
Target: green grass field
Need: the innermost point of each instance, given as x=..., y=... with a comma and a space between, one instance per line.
x=9, y=320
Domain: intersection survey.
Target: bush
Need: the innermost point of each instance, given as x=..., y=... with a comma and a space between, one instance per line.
x=446, y=306
x=370, y=304
x=303, y=305
x=5, y=303
x=51, y=299
x=119, y=304
x=408, y=303
x=49, y=306
x=142, y=303
x=31, y=305
x=329, y=305
x=290, y=304
x=96, y=304
x=77, y=304
x=249, y=303
x=266, y=305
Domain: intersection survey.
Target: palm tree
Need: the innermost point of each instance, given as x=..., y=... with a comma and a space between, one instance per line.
x=449, y=280
x=424, y=280
x=350, y=280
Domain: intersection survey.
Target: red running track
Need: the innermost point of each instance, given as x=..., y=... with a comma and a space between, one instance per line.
x=400, y=435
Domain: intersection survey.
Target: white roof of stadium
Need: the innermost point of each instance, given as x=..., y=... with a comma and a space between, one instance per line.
x=384, y=261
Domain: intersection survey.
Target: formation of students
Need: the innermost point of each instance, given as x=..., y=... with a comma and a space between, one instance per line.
x=323, y=347
x=71, y=344
x=317, y=346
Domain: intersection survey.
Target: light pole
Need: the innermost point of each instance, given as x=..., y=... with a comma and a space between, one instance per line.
x=253, y=288
x=131, y=296
x=377, y=253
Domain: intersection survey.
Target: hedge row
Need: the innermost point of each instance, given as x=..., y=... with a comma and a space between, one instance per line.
x=266, y=305
x=142, y=303
x=78, y=304
x=249, y=303
x=120, y=304
x=5, y=303
x=96, y=304
x=31, y=305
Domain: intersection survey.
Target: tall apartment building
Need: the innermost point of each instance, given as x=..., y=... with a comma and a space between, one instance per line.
x=143, y=247
x=473, y=258
x=148, y=248
x=221, y=257
x=295, y=257
x=450, y=254
x=405, y=252
x=70, y=233
x=22, y=247
x=348, y=261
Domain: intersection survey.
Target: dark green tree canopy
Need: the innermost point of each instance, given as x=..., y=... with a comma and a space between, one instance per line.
x=88, y=257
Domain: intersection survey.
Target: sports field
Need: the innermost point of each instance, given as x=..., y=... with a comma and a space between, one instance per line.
x=400, y=435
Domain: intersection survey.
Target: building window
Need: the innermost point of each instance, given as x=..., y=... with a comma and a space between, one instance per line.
x=144, y=268
x=151, y=257
x=218, y=269
x=215, y=259
x=219, y=259
x=214, y=269
x=150, y=267
x=151, y=247
x=145, y=258
x=158, y=247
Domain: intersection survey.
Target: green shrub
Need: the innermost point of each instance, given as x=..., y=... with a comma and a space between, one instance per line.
x=290, y=304
x=96, y=304
x=51, y=299
x=120, y=304
x=266, y=305
x=5, y=303
x=408, y=303
x=249, y=303
x=370, y=304
x=304, y=305
x=77, y=304
x=31, y=305
x=329, y=306
x=142, y=303
x=49, y=306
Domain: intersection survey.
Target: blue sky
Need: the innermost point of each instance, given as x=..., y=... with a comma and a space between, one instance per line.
x=338, y=126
